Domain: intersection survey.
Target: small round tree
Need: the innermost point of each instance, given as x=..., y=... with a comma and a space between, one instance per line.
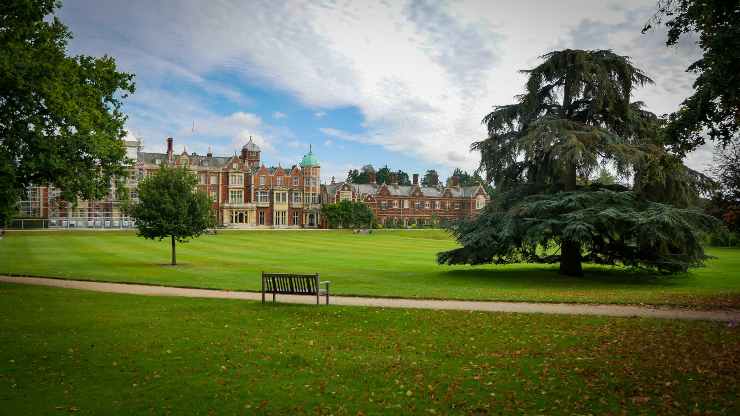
x=348, y=214
x=171, y=206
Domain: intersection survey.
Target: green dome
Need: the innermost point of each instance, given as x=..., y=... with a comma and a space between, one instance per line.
x=309, y=160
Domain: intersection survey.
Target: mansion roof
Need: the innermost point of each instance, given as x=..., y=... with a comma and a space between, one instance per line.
x=407, y=190
x=196, y=160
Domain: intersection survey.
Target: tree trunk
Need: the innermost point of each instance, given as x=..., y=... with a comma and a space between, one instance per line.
x=174, y=262
x=570, y=259
x=570, y=251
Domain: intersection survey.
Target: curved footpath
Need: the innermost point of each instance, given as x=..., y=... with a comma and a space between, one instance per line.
x=484, y=306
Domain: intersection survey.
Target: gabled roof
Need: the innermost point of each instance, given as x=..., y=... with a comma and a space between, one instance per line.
x=406, y=190
x=275, y=170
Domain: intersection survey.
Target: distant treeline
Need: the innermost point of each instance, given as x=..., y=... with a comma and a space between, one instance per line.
x=367, y=173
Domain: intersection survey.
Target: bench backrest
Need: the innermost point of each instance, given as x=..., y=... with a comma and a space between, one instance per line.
x=287, y=283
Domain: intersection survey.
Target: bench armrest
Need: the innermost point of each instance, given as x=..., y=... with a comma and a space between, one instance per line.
x=325, y=282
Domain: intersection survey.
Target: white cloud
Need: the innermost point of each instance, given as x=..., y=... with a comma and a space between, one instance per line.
x=421, y=73
x=701, y=159
x=278, y=115
x=130, y=136
x=339, y=134
x=245, y=119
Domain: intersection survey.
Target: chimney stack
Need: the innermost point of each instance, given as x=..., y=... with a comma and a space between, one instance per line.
x=210, y=153
x=170, y=144
x=371, y=177
x=416, y=178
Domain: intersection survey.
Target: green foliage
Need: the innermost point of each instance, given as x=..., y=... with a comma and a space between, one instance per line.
x=361, y=176
x=715, y=105
x=725, y=201
x=171, y=206
x=431, y=178
x=60, y=116
x=402, y=177
x=545, y=140
x=575, y=117
x=662, y=177
x=348, y=214
x=611, y=227
x=466, y=179
x=383, y=175
x=605, y=177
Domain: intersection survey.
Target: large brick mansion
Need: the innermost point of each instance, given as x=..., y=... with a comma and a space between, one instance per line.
x=247, y=194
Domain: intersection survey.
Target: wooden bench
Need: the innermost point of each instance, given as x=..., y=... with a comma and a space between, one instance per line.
x=294, y=284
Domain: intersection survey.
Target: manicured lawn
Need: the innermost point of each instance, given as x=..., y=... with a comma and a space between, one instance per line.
x=389, y=263
x=66, y=351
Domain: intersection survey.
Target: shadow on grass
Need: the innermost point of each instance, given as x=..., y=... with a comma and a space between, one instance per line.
x=549, y=276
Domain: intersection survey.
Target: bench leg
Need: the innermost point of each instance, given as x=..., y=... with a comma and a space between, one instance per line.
x=317, y=297
x=327, y=297
x=263, y=296
x=273, y=297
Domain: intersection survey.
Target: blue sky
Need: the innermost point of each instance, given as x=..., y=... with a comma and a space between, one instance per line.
x=403, y=83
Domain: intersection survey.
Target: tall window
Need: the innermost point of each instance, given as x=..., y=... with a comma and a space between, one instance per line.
x=417, y=204
x=296, y=218
x=345, y=195
x=295, y=180
x=281, y=218
x=263, y=196
x=214, y=179
x=437, y=204
x=236, y=196
x=405, y=203
x=213, y=194
x=281, y=197
x=427, y=204
x=203, y=177
x=279, y=180
x=261, y=218
x=395, y=203
x=383, y=205
x=263, y=180
x=296, y=197
x=236, y=179
x=480, y=202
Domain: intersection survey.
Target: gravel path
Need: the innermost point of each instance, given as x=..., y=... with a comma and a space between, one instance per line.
x=485, y=306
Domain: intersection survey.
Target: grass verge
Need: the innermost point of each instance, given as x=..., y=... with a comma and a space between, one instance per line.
x=389, y=263
x=90, y=353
